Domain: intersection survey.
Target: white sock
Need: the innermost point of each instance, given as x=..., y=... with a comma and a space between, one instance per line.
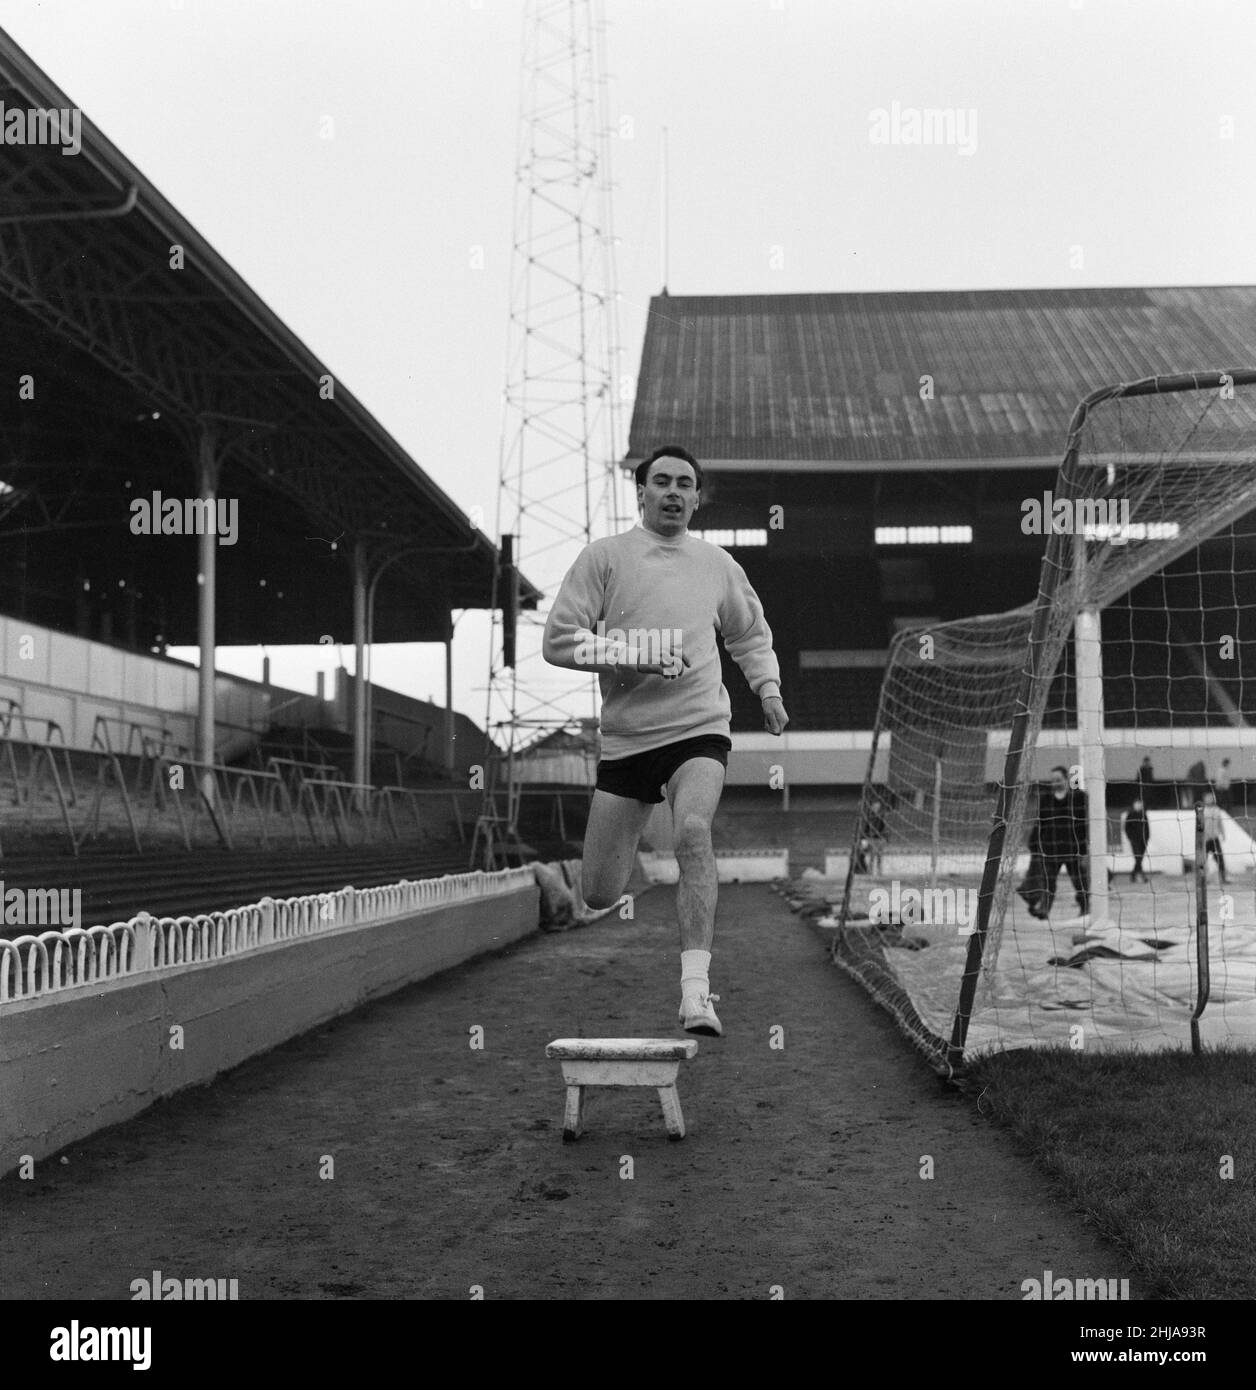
x=694, y=968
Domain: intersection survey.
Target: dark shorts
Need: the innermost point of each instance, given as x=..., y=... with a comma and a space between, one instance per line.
x=643, y=776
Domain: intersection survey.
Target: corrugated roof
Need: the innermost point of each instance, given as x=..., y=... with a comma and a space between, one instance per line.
x=837, y=377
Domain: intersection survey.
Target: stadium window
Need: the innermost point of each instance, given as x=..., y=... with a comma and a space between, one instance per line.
x=733, y=538
x=1134, y=531
x=923, y=535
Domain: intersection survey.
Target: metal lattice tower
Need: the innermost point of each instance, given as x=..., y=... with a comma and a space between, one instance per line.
x=558, y=486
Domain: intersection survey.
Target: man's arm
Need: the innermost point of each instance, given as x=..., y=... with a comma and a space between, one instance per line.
x=571, y=639
x=749, y=641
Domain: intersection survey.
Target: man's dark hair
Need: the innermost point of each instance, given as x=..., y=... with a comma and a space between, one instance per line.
x=669, y=451
x=1062, y=770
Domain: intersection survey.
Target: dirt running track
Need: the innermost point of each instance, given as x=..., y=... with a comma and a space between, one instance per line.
x=802, y=1167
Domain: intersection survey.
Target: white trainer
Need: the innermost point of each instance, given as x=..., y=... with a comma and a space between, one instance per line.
x=698, y=1016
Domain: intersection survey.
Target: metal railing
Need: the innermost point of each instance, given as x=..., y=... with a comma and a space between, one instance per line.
x=143, y=741
x=288, y=799
x=47, y=759
x=38, y=966
x=221, y=793
x=497, y=840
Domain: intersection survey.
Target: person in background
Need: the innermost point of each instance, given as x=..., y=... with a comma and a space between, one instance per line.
x=871, y=838
x=1214, y=830
x=1034, y=883
x=1221, y=784
x=1061, y=835
x=1137, y=832
x=1146, y=776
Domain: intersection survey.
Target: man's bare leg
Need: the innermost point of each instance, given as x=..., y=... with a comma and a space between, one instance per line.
x=694, y=792
x=610, y=846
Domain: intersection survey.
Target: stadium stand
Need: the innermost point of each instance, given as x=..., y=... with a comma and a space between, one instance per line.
x=840, y=433
x=117, y=886
x=183, y=392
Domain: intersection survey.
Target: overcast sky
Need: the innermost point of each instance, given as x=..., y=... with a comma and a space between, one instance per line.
x=1104, y=142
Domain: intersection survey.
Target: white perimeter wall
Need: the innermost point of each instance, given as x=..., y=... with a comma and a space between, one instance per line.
x=841, y=757
x=76, y=1061
x=73, y=679
x=807, y=759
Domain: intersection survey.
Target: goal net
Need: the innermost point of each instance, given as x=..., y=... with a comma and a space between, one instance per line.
x=1021, y=760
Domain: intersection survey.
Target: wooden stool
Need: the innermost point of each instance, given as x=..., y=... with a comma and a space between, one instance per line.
x=621, y=1062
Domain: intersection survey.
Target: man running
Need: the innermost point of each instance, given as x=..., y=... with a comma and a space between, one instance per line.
x=641, y=609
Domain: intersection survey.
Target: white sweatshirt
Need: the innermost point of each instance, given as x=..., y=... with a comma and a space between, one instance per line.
x=658, y=594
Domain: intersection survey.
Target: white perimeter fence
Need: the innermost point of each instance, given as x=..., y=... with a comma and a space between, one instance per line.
x=44, y=964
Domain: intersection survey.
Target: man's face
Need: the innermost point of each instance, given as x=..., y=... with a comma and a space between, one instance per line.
x=668, y=497
x=1059, y=783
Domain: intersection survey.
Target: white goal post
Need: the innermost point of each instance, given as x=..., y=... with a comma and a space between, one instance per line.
x=1153, y=473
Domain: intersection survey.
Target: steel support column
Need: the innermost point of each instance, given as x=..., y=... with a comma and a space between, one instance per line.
x=208, y=470
x=360, y=758
x=449, y=696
